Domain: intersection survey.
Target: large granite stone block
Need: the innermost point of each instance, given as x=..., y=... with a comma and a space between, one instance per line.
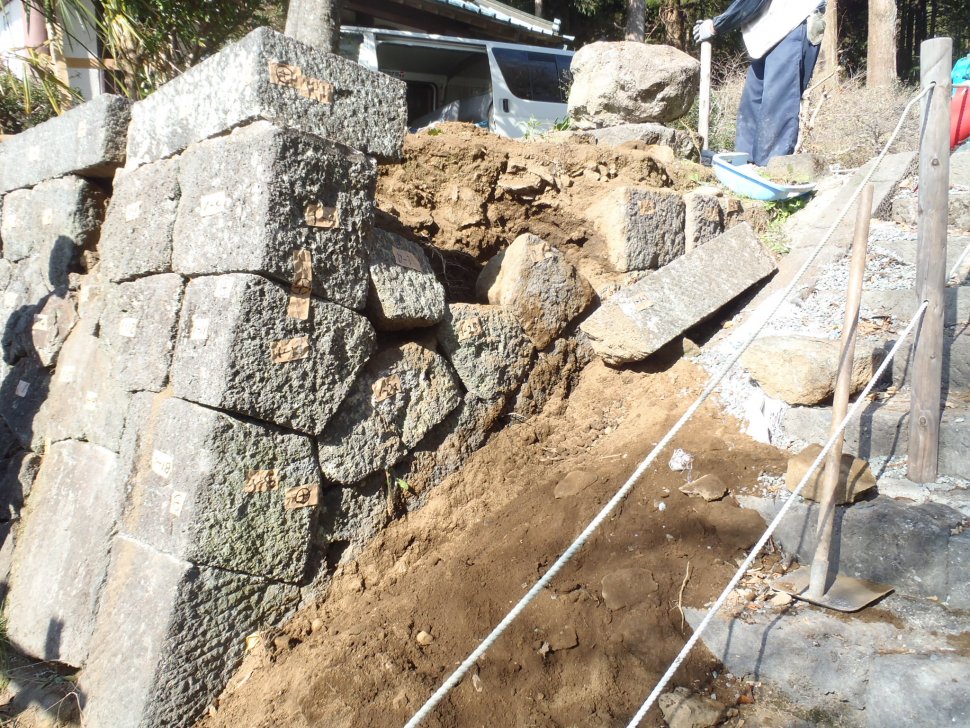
x=217, y=491
x=401, y=393
x=62, y=552
x=643, y=228
x=269, y=76
x=239, y=350
x=642, y=317
x=88, y=140
x=136, y=238
x=703, y=217
x=280, y=203
x=138, y=330
x=404, y=292
x=169, y=636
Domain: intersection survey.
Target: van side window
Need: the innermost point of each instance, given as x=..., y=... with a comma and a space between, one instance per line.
x=533, y=75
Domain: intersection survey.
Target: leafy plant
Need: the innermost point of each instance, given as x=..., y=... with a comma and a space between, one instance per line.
x=563, y=124
x=24, y=102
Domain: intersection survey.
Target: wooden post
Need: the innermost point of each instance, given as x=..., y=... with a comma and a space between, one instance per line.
x=704, y=101
x=818, y=581
x=936, y=57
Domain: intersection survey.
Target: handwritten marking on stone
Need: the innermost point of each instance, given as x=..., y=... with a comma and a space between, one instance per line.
x=385, y=388
x=212, y=204
x=200, y=329
x=298, y=307
x=261, y=481
x=301, y=496
x=289, y=350
x=302, y=271
x=648, y=207
x=128, y=327
x=90, y=401
x=321, y=216
x=162, y=464
x=22, y=388
x=469, y=328
x=176, y=503
x=133, y=211
x=405, y=258
x=46, y=216
x=290, y=76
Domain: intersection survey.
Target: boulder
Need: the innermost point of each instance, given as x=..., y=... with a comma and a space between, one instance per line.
x=801, y=369
x=855, y=478
x=628, y=82
x=650, y=134
x=643, y=228
x=534, y=281
x=404, y=292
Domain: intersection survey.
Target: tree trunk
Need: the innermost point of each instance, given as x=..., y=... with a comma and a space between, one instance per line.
x=828, y=59
x=881, y=57
x=636, y=18
x=315, y=22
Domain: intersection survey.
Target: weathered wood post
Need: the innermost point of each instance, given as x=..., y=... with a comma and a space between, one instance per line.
x=936, y=57
x=704, y=100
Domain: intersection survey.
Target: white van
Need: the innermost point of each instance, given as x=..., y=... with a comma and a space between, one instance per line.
x=511, y=89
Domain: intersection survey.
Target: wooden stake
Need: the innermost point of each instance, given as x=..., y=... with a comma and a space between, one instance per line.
x=818, y=583
x=704, y=101
x=936, y=56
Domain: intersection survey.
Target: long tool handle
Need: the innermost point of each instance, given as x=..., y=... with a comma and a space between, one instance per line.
x=840, y=401
x=704, y=101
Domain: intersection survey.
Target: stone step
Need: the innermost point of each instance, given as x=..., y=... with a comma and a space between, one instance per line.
x=956, y=365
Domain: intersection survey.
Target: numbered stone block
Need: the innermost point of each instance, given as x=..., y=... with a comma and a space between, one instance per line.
x=280, y=203
x=138, y=330
x=52, y=224
x=217, y=491
x=400, y=394
x=136, y=238
x=239, y=349
x=169, y=636
x=22, y=392
x=269, y=76
x=62, y=553
x=487, y=347
x=643, y=229
x=703, y=218
x=88, y=140
x=404, y=293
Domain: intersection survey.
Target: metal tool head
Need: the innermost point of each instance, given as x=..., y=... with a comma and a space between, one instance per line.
x=844, y=593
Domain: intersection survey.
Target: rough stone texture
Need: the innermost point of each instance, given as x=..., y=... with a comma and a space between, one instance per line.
x=956, y=362
x=404, y=292
x=709, y=487
x=553, y=375
x=683, y=709
x=909, y=690
x=136, y=238
x=536, y=283
x=400, y=394
x=630, y=82
x=52, y=223
x=351, y=516
x=51, y=326
x=22, y=298
x=958, y=570
x=960, y=170
x=643, y=228
x=62, y=553
x=795, y=169
x=649, y=133
x=642, y=317
x=487, y=347
x=169, y=636
x=904, y=210
x=234, y=87
x=901, y=304
x=89, y=140
x=855, y=477
x=196, y=492
x=138, y=330
x=256, y=185
x=17, y=476
x=703, y=217
x=801, y=369
x=224, y=357
x=22, y=392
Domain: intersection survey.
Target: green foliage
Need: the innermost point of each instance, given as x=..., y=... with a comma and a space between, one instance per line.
x=23, y=103
x=563, y=124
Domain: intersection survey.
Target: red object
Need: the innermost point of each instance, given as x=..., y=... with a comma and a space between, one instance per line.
x=960, y=117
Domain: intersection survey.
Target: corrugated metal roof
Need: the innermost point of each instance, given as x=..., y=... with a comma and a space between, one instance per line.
x=505, y=14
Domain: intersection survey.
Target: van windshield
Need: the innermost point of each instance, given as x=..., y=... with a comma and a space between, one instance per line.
x=534, y=75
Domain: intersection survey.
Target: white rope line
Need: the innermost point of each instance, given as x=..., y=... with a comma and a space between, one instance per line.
x=958, y=264
x=611, y=505
x=859, y=404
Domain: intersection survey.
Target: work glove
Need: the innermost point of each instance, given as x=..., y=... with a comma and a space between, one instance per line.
x=703, y=30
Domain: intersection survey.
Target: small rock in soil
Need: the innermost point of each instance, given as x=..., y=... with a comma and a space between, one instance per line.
x=683, y=709
x=627, y=588
x=855, y=477
x=574, y=483
x=708, y=487
x=423, y=638
x=564, y=639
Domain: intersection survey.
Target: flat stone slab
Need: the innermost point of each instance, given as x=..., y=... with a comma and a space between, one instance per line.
x=643, y=228
x=400, y=394
x=217, y=491
x=62, y=553
x=640, y=318
x=269, y=76
x=136, y=239
x=300, y=217
x=138, y=330
x=88, y=140
x=169, y=636
x=487, y=347
x=404, y=292
x=911, y=691
x=238, y=350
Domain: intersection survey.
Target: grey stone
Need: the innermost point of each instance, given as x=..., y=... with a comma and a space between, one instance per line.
x=795, y=169
x=230, y=352
x=22, y=392
x=214, y=490
x=536, y=283
x=630, y=82
x=22, y=299
x=62, y=553
x=52, y=223
x=958, y=571
x=138, y=330
x=960, y=170
x=648, y=133
x=642, y=228
x=52, y=324
x=169, y=636
x=709, y=487
x=136, y=238
x=553, y=375
x=400, y=394
x=901, y=304
x=17, y=475
x=703, y=218
x=403, y=292
x=904, y=210
x=235, y=86
x=642, y=317
x=88, y=140
x=288, y=175
x=487, y=347
x=351, y=516
x=855, y=478
x=683, y=709
x=910, y=691
x=956, y=363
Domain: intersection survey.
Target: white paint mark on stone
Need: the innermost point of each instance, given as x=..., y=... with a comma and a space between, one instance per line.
x=128, y=327
x=22, y=388
x=90, y=401
x=177, y=503
x=200, y=329
x=66, y=373
x=46, y=216
x=133, y=211
x=223, y=288
x=162, y=464
x=10, y=299
x=212, y=204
